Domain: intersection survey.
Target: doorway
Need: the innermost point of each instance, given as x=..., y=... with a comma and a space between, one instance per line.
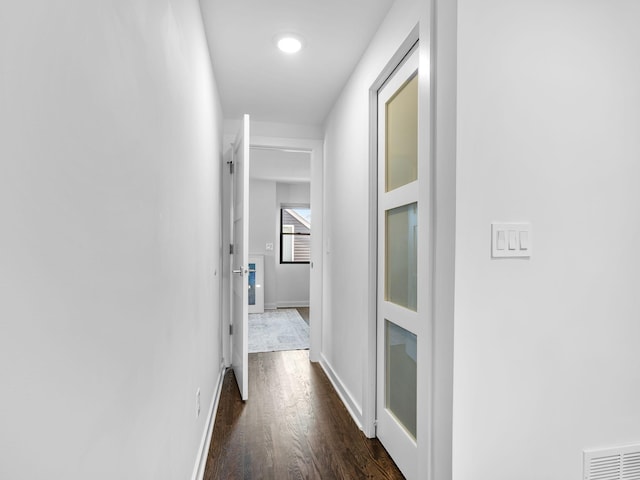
x=314, y=148
x=280, y=242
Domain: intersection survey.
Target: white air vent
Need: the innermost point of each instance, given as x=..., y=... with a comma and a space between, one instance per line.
x=621, y=463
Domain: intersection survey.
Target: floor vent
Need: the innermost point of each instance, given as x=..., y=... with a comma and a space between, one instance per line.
x=621, y=463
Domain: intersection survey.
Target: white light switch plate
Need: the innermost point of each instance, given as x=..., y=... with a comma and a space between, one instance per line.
x=511, y=240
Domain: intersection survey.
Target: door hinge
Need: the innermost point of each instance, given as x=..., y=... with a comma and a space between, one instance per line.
x=231, y=249
x=230, y=167
x=230, y=329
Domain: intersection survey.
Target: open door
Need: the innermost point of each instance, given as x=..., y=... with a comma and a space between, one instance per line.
x=240, y=260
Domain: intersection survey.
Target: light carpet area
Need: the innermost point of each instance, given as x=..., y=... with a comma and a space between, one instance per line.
x=276, y=330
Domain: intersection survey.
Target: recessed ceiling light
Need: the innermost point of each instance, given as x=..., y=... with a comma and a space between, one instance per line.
x=289, y=44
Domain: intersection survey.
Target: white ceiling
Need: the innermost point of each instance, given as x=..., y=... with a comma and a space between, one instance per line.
x=254, y=77
x=280, y=165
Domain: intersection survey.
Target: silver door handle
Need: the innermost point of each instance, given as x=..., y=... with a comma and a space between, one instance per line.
x=238, y=271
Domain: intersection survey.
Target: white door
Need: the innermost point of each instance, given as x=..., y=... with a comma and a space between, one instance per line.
x=240, y=260
x=401, y=317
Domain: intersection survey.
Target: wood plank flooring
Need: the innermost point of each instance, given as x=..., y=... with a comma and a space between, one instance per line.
x=293, y=426
x=304, y=313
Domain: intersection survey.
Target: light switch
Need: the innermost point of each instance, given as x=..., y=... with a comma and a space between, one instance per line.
x=511, y=240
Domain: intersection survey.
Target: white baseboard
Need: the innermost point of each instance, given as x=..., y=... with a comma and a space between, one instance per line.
x=293, y=303
x=270, y=306
x=201, y=459
x=351, y=405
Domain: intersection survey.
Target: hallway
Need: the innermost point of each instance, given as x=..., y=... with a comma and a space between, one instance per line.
x=293, y=426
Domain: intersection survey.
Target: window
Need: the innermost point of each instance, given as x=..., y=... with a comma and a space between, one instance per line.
x=295, y=235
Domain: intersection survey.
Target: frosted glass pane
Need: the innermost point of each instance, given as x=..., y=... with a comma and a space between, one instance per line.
x=401, y=279
x=401, y=375
x=252, y=284
x=402, y=136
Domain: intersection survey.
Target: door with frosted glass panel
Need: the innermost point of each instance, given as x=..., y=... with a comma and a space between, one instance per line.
x=400, y=322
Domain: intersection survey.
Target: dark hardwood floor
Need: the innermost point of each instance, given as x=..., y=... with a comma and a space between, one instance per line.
x=304, y=313
x=293, y=426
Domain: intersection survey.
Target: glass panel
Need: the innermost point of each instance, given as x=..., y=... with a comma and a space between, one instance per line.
x=401, y=269
x=296, y=235
x=401, y=375
x=402, y=136
x=303, y=215
x=287, y=243
x=301, y=248
x=252, y=284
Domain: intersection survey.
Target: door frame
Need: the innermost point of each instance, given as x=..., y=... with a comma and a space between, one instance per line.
x=437, y=61
x=315, y=149
x=370, y=364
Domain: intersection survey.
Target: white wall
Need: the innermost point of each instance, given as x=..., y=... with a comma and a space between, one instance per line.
x=546, y=360
x=109, y=241
x=263, y=230
x=280, y=165
x=273, y=129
